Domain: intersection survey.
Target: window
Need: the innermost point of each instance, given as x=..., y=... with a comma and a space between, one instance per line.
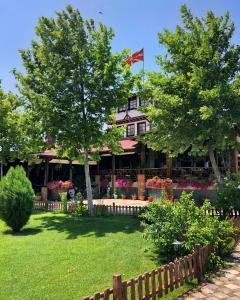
x=132, y=103
x=141, y=128
x=131, y=130
x=142, y=102
x=122, y=109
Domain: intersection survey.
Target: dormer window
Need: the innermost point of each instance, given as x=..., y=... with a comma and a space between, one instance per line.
x=130, y=130
x=132, y=103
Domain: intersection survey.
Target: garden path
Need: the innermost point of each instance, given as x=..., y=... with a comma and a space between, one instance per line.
x=226, y=286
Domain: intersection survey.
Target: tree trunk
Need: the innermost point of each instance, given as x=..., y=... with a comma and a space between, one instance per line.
x=88, y=183
x=215, y=167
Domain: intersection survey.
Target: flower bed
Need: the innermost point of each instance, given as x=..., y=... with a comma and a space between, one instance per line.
x=57, y=187
x=160, y=188
x=124, y=187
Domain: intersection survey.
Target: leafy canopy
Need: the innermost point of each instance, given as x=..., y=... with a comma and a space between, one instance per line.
x=191, y=100
x=12, y=134
x=73, y=82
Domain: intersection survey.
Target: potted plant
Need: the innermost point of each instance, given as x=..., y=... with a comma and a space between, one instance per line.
x=142, y=198
x=124, y=187
x=134, y=197
x=150, y=199
x=124, y=196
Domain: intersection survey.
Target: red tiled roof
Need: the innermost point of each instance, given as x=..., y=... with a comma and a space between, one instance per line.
x=127, y=145
x=48, y=153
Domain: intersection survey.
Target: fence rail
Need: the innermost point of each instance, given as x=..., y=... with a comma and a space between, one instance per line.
x=224, y=213
x=98, y=208
x=158, y=282
x=124, y=209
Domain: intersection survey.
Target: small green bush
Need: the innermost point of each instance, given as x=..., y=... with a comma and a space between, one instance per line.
x=63, y=197
x=229, y=198
x=78, y=209
x=16, y=198
x=164, y=222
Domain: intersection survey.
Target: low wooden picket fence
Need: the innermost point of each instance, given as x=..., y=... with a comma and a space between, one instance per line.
x=221, y=213
x=159, y=282
x=98, y=208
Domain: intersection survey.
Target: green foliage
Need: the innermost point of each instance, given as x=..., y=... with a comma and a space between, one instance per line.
x=229, y=198
x=78, y=209
x=13, y=141
x=192, y=102
x=72, y=84
x=64, y=202
x=164, y=222
x=16, y=198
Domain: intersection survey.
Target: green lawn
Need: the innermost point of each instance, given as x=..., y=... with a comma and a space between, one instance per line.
x=59, y=257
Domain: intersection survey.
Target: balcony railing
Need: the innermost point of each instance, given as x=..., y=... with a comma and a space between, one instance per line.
x=177, y=173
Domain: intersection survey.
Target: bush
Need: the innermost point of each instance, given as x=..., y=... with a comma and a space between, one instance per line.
x=63, y=197
x=164, y=222
x=78, y=209
x=229, y=198
x=16, y=198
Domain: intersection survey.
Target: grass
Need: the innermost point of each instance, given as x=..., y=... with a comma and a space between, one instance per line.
x=60, y=257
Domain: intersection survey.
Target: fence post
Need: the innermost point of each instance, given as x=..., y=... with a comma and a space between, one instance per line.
x=198, y=263
x=114, y=208
x=117, y=287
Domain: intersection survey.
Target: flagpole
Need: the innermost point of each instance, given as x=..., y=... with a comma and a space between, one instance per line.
x=143, y=79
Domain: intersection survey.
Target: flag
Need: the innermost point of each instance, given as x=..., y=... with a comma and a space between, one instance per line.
x=137, y=56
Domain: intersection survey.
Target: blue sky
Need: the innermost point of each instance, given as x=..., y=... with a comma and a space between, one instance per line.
x=135, y=22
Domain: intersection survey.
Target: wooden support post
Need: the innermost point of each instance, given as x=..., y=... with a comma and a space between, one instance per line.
x=143, y=156
x=44, y=193
x=199, y=269
x=234, y=160
x=113, y=177
x=117, y=287
x=98, y=182
x=113, y=180
x=46, y=172
x=169, y=165
x=141, y=184
x=70, y=170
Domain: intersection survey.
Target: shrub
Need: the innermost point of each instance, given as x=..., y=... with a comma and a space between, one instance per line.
x=78, y=209
x=164, y=222
x=64, y=202
x=16, y=198
x=229, y=198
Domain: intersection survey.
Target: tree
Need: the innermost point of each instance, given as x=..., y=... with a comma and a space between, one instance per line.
x=73, y=83
x=16, y=198
x=11, y=129
x=191, y=99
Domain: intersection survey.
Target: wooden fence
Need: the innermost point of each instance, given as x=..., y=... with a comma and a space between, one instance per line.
x=98, y=208
x=224, y=213
x=159, y=282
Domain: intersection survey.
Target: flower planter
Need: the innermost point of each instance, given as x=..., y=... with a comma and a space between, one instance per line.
x=134, y=197
x=142, y=198
x=150, y=199
x=124, y=196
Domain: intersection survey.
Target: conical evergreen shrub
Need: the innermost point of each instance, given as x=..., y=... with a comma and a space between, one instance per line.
x=16, y=198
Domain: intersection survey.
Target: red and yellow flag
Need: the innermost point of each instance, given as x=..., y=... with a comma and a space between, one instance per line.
x=137, y=56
